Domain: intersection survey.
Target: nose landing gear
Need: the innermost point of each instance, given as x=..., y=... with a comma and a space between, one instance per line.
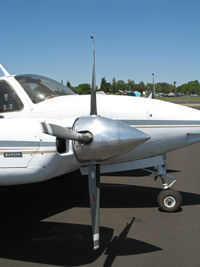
x=168, y=199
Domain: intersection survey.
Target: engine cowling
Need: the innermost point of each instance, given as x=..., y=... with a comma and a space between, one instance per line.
x=110, y=138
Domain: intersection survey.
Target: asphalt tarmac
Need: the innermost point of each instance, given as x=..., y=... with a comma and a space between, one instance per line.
x=48, y=224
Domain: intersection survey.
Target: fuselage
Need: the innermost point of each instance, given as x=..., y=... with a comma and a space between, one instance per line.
x=170, y=126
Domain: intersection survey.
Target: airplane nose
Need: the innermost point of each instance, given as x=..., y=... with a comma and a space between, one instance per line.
x=110, y=138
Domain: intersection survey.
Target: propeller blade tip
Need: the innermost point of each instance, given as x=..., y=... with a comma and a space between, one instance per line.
x=96, y=241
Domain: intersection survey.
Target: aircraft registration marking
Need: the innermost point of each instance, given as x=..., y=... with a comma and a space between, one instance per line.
x=12, y=154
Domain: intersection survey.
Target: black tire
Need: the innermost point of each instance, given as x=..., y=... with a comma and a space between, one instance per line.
x=169, y=200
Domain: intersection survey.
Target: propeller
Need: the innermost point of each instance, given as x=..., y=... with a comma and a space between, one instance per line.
x=96, y=139
x=94, y=193
x=63, y=133
x=94, y=169
x=93, y=105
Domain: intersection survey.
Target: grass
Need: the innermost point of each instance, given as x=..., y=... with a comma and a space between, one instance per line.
x=178, y=98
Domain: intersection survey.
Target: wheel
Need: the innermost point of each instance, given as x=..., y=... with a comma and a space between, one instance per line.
x=169, y=200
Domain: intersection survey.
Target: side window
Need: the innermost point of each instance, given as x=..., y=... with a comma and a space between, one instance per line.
x=9, y=100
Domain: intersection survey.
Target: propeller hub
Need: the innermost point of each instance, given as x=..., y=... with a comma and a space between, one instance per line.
x=110, y=138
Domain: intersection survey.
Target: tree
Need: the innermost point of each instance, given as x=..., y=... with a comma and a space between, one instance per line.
x=163, y=87
x=175, y=86
x=83, y=89
x=131, y=84
x=183, y=89
x=121, y=86
x=192, y=87
x=113, y=89
x=149, y=87
x=141, y=87
x=113, y=81
x=106, y=87
x=103, y=86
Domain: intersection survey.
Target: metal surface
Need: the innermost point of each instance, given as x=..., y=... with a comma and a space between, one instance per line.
x=94, y=193
x=126, y=166
x=111, y=138
x=93, y=105
x=169, y=201
x=5, y=72
x=64, y=133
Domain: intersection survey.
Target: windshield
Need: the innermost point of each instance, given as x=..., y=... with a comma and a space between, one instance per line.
x=40, y=88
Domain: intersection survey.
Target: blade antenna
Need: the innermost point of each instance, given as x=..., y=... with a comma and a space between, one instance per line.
x=93, y=105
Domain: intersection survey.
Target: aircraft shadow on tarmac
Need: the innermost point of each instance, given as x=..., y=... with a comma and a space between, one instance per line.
x=66, y=244
x=121, y=245
x=25, y=237
x=138, y=172
x=132, y=196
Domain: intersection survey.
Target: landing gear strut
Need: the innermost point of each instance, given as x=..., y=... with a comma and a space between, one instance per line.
x=168, y=199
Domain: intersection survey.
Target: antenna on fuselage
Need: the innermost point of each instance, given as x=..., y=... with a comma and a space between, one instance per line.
x=4, y=71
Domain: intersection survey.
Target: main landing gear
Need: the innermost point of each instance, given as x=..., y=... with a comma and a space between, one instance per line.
x=168, y=199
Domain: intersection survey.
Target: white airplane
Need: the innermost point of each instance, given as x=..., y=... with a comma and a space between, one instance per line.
x=48, y=131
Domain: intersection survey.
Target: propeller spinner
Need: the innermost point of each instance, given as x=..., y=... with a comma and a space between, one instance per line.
x=95, y=140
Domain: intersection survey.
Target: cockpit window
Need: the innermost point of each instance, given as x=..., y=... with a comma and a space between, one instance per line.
x=40, y=88
x=9, y=100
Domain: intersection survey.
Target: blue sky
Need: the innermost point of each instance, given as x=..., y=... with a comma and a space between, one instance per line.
x=133, y=39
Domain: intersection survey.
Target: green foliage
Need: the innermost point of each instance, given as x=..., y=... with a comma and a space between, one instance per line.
x=121, y=86
x=131, y=85
x=106, y=87
x=116, y=87
x=141, y=87
x=163, y=87
x=189, y=88
x=83, y=89
x=113, y=86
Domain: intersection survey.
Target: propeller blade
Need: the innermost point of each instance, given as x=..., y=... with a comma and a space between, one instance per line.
x=64, y=133
x=94, y=192
x=93, y=105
